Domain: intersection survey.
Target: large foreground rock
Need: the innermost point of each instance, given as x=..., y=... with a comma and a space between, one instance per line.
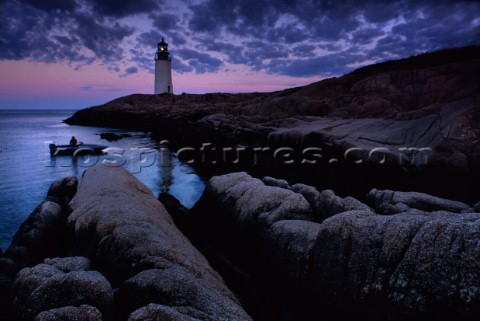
x=59, y=283
x=421, y=263
x=161, y=312
x=400, y=267
x=71, y=313
x=117, y=222
x=43, y=235
x=178, y=289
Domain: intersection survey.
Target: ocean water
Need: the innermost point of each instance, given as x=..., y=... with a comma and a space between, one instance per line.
x=27, y=169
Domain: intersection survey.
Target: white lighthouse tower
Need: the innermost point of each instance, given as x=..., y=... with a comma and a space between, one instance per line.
x=163, y=69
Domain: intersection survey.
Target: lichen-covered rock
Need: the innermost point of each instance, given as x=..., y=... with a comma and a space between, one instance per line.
x=270, y=181
x=45, y=287
x=71, y=313
x=414, y=266
x=248, y=201
x=118, y=223
x=310, y=193
x=69, y=264
x=288, y=248
x=164, y=313
x=392, y=202
x=176, y=287
x=43, y=234
x=330, y=204
x=325, y=203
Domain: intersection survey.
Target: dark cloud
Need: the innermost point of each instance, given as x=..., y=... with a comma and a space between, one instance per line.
x=328, y=65
x=143, y=59
x=437, y=27
x=176, y=39
x=282, y=33
x=288, y=37
x=199, y=61
x=380, y=12
x=276, y=20
x=264, y=50
x=26, y=38
x=287, y=34
x=303, y=50
x=102, y=39
x=181, y=67
x=41, y=34
x=122, y=8
x=165, y=22
x=234, y=53
x=211, y=15
x=149, y=39
x=52, y=4
x=114, y=8
x=365, y=36
x=131, y=70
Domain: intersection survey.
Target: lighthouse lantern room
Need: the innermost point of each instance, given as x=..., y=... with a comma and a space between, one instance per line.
x=163, y=69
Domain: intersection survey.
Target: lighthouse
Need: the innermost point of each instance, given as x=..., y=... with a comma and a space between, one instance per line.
x=163, y=69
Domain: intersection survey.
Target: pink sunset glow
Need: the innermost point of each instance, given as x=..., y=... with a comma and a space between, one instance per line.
x=35, y=85
x=72, y=54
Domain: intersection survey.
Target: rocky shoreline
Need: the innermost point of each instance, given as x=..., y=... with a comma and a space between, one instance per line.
x=112, y=251
x=356, y=195
x=410, y=125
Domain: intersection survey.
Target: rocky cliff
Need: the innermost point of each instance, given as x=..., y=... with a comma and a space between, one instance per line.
x=411, y=124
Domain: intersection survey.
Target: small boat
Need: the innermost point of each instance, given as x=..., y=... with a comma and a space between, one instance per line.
x=75, y=150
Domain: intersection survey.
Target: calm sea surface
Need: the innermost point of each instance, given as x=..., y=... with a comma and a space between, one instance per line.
x=27, y=169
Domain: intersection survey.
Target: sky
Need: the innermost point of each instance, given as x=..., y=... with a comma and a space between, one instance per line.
x=72, y=54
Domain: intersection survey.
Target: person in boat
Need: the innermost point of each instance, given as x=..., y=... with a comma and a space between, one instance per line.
x=73, y=141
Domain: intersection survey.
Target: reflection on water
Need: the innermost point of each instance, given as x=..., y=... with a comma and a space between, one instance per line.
x=166, y=168
x=27, y=169
x=156, y=167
